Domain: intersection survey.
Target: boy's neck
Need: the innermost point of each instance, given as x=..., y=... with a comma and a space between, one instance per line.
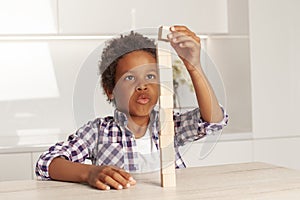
x=138, y=125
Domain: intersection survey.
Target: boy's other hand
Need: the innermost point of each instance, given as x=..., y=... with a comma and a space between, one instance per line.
x=187, y=45
x=105, y=177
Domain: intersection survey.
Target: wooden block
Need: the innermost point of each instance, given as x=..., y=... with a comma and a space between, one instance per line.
x=166, y=138
x=167, y=85
x=166, y=75
x=168, y=167
x=168, y=180
x=166, y=115
x=167, y=155
x=166, y=101
x=166, y=127
x=166, y=141
x=165, y=62
x=165, y=91
x=164, y=57
x=163, y=49
x=163, y=32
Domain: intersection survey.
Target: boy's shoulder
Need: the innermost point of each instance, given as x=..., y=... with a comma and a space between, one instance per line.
x=104, y=120
x=99, y=121
x=108, y=118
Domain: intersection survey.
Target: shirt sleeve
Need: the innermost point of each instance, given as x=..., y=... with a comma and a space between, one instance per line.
x=190, y=126
x=76, y=149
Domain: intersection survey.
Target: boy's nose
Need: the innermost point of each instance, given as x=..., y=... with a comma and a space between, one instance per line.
x=141, y=87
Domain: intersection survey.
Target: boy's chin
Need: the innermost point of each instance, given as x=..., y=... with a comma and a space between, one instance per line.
x=140, y=113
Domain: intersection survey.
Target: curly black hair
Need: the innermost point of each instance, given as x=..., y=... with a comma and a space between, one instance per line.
x=117, y=48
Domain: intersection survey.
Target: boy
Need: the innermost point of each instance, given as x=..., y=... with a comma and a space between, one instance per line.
x=128, y=142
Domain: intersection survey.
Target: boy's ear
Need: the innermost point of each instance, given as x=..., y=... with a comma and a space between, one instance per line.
x=109, y=94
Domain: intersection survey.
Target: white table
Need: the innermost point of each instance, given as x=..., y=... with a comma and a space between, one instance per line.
x=236, y=181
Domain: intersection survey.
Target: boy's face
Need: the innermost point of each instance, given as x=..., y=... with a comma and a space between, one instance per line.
x=136, y=90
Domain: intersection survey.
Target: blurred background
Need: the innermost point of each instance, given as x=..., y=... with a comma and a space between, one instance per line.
x=49, y=51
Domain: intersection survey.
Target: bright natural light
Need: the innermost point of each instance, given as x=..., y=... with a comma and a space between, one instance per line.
x=21, y=17
x=38, y=136
x=26, y=71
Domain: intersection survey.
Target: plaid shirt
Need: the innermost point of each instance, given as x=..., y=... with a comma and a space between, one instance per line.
x=107, y=141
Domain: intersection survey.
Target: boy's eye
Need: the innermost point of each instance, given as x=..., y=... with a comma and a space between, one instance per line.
x=129, y=78
x=150, y=76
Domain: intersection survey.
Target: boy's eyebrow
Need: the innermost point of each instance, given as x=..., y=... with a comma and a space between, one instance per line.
x=137, y=70
x=132, y=71
x=153, y=70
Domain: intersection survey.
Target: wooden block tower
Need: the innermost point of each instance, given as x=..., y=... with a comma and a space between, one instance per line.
x=166, y=138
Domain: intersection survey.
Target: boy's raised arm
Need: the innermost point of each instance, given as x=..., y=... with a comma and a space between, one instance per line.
x=187, y=45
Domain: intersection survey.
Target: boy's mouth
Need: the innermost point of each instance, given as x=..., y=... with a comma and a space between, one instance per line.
x=143, y=99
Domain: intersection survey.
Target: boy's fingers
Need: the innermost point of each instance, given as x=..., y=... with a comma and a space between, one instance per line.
x=184, y=42
x=186, y=36
x=101, y=186
x=127, y=176
x=122, y=172
x=183, y=30
x=182, y=38
x=187, y=44
x=179, y=28
x=106, y=177
x=111, y=181
x=120, y=176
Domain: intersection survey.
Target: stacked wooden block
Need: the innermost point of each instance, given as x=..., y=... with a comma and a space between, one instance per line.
x=166, y=138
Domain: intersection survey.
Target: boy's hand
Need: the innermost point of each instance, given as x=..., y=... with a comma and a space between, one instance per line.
x=187, y=45
x=104, y=177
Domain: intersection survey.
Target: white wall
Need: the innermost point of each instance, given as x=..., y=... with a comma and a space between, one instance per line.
x=111, y=17
x=275, y=83
x=231, y=55
x=274, y=41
